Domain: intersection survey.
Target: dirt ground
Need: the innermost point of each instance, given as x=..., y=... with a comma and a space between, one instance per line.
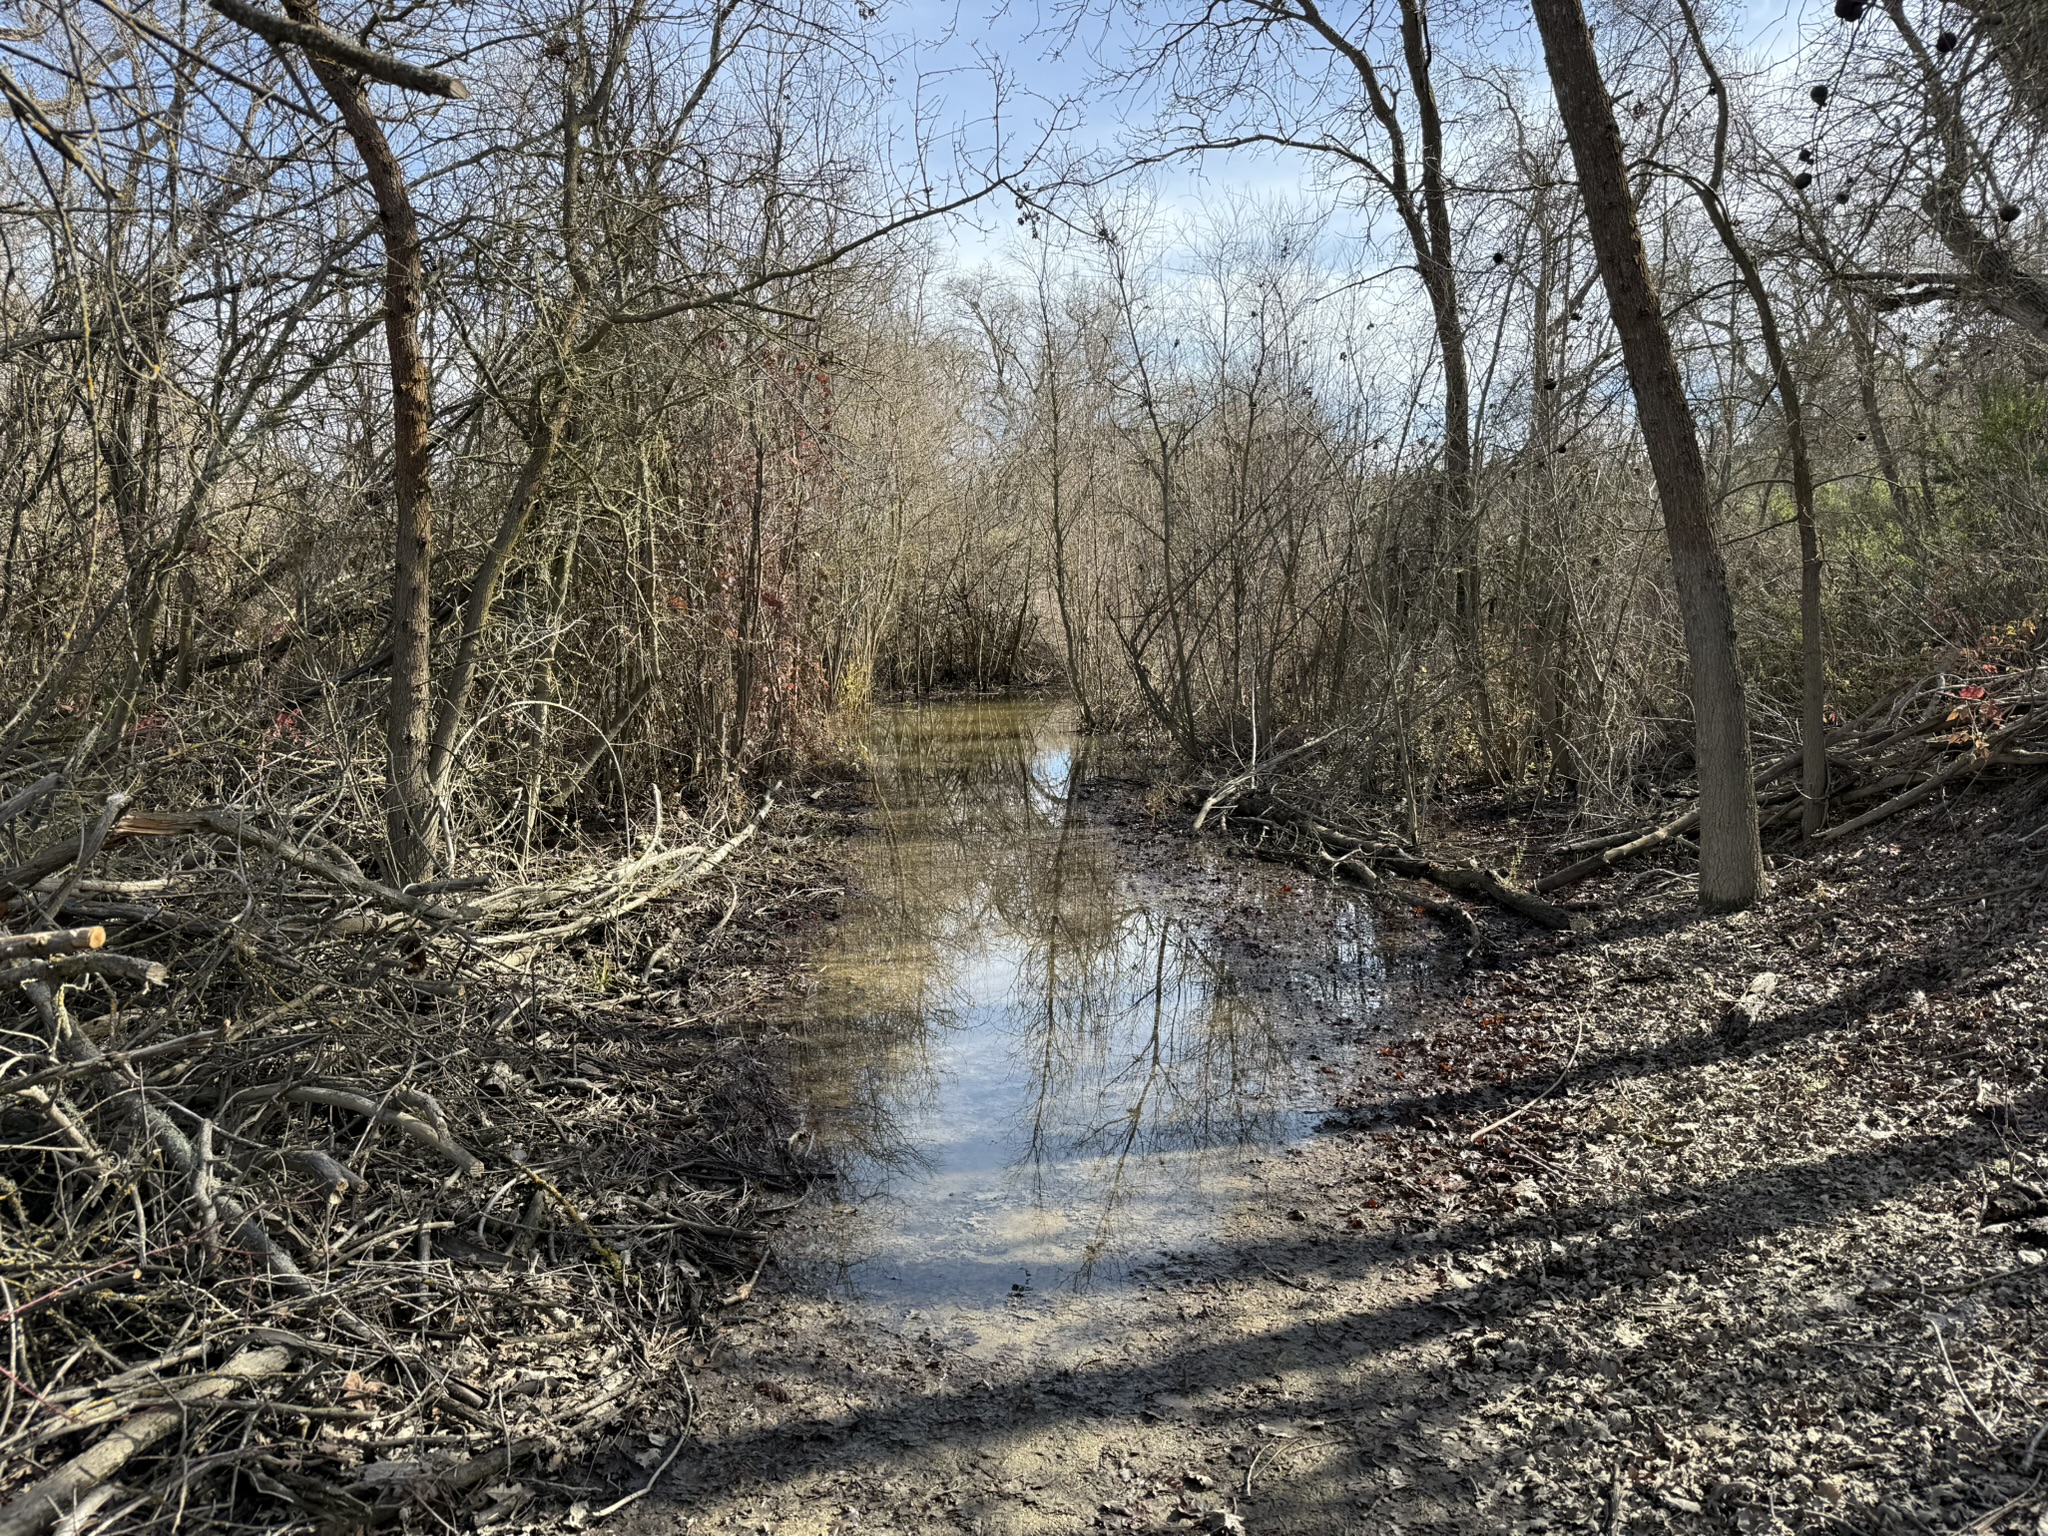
x=1736, y=1264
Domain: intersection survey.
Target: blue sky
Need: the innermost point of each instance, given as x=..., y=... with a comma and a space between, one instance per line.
x=955, y=46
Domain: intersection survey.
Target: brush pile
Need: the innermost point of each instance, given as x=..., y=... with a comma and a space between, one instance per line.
x=322, y=1201
x=1973, y=719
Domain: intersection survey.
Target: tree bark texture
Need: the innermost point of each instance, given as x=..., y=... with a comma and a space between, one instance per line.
x=1731, y=853
x=408, y=793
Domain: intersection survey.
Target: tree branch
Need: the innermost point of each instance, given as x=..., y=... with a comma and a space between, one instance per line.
x=281, y=31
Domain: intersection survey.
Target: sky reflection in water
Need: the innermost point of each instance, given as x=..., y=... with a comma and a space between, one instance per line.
x=1032, y=1062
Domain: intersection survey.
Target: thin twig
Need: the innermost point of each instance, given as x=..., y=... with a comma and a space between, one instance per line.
x=682, y=1435
x=1514, y=1114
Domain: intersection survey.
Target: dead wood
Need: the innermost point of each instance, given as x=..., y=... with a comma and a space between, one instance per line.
x=114, y=1060
x=49, y=1500
x=90, y=844
x=1607, y=858
x=434, y=1138
x=1485, y=884
x=1970, y=761
x=150, y=973
x=55, y=941
x=1912, y=752
x=23, y=800
x=156, y=1150
x=1344, y=849
x=1250, y=777
x=1613, y=851
x=1898, y=765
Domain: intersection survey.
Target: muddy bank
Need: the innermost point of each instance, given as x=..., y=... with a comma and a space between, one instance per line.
x=1728, y=1268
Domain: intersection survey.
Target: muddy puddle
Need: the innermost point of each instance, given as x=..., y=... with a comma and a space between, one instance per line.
x=1044, y=1048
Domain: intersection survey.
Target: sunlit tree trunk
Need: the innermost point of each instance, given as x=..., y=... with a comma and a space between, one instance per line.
x=408, y=796
x=1731, y=853
x=1812, y=659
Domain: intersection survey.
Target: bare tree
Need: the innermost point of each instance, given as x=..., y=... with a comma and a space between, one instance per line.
x=1812, y=659
x=407, y=715
x=1731, y=853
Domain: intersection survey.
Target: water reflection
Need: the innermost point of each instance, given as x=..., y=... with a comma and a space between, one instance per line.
x=1031, y=1059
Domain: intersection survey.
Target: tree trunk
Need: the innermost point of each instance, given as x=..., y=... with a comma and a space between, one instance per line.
x=1541, y=584
x=1424, y=212
x=1436, y=256
x=1812, y=659
x=1731, y=854
x=744, y=661
x=490, y=575
x=408, y=794
x=1873, y=417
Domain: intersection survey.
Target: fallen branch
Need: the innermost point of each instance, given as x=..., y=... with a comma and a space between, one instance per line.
x=243, y=1227
x=1515, y=1114
x=1470, y=880
x=108, y=1061
x=89, y=846
x=22, y=800
x=1617, y=850
x=1464, y=880
x=231, y=825
x=1607, y=858
x=49, y=1500
x=407, y=1125
x=1968, y=762
x=151, y=973
x=1250, y=777
x=610, y=907
x=55, y=941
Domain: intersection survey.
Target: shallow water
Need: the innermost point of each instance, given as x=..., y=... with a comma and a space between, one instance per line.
x=1040, y=1052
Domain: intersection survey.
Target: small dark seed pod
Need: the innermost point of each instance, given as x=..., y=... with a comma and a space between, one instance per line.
x=1550, y=383
x=1841, y=197
x=1499, y=257
x=1803, y=180
x=2009, y=211
x=1850, y=10
x=1820, y=95
x=1806, y=157
x=1946, y=43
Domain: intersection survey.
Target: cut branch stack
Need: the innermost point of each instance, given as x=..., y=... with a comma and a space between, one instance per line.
x=216, y=1032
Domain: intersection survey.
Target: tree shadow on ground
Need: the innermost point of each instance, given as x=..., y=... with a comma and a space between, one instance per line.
x=1414, y=1380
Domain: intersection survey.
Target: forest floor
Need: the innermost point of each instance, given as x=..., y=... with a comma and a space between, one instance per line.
x=1728, y=1269
x=431, y=1340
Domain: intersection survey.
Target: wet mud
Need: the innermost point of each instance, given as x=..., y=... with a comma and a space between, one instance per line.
x=1761, y=1249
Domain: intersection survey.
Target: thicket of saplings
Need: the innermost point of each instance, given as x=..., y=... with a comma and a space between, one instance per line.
x=435, y=527
x=440, y=512
x=1296, y=577
x=1236, y=560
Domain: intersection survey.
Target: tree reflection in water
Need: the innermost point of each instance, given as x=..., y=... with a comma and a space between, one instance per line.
x=1032, y=1060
